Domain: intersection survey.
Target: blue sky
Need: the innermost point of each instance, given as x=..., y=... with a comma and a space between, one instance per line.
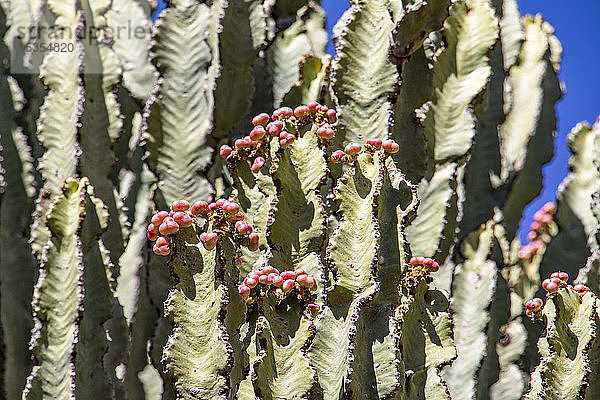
x=577, y=26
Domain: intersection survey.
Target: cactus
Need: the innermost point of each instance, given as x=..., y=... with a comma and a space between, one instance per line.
x=338, y=227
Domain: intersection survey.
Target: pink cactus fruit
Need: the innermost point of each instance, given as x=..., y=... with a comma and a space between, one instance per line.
x=182, y=219
x=375, y=143
x=231, y=207
x=337, y=156
x=274, y=128
x=431, y=264
x=243, y=227
x=579, y=288
x=180, y=205
x=389, y=146
x=418, y=260
x=251, y=281
x=158, y=218
x=238, y=216
x=301, y=111
x=283, y=112
x=209, y=240
x=331, y=116
x=288, y=285
x=168, y=226
x=325, y=132
x=257, y=164
x=288, y=275
x=225, y=151
x=161, y=247
x=261, y=120
x=534, y=304
x=258, y=132
x=352, y=149
x=549, y=207
x=312, y=106
x=560, y=275
x=221, y=202
x=152, y=232
x=551, y=285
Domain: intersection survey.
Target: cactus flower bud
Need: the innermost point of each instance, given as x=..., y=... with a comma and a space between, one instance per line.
x=331, y=116
x=551, y=285
x=337, y=156
x=301, y=111
x=322, y=108
x=158, y=218
x=152, y=232
x=352, y=148
x=264, y=279
x=209, y=240
x=325, y=132
x=260, y=119
x=231, y=207
x=225, y=150
x=257, y=164
x=389, y=146
x=374, y=142
x=168, y=226
x=258, y=132
x=161, y=247
x=288, y=285
x=560, y=275
x=182, y=219
x=180, y=205
x=200, y=208
x=579, y=288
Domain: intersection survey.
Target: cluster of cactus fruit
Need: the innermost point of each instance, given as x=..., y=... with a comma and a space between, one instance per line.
x=556, y=281
x=222, y=216
x=358, y=242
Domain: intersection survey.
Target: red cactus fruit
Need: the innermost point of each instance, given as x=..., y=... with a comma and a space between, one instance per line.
x=254, y=241
x=374, y=142
x=337, y=156
x=331, y=116
x=182, y=219
x=288, y=275
x=152, y=232
x=560, y=275
x=352, y=148
x=258, y=132
x=549, y=207
x=288, y=285
x=180, y=205
x=313, y=309
x=312, y=106
x=161, y=247
x=168, y=226
x=579, y=288
x=274, y=128
x=325, y=132
x=283, y=112
x=243, y=227
x=158, y=218
x=251, y=282
x=257, y=164
x=225, y=151
x=209, y=240
x=260, y=119
x=301, y=111
x=238, y=216
x=551, y=285
x=221, y=202
x=534, y=304
x=389, y=146
x=230, y=207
